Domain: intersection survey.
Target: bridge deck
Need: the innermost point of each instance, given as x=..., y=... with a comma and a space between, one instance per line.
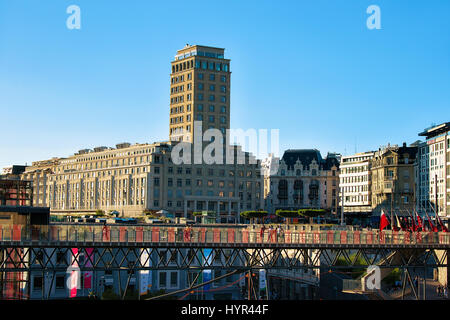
x=151, y=236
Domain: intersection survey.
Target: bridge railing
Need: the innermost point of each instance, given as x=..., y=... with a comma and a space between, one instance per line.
x=157, y=234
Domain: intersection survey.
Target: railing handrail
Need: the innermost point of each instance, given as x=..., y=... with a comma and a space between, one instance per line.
x=214, y=234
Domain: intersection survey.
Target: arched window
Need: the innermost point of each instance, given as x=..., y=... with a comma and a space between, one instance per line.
x=297, y=172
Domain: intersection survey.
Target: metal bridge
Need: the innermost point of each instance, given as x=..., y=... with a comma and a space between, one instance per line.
x=122, y=247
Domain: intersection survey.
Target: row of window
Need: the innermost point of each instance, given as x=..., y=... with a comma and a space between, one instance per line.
x=212, y=87
x=180, y=109
x=211, y=97
x=211, y=108
x=209, y=172
x=211, y=65
x=200, y=97
x=212, y=77
x=178, y=89
x=212, y=118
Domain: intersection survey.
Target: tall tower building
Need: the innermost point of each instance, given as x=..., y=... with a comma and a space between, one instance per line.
x=199, y=91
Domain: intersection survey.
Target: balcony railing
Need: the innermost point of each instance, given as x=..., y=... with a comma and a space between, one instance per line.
x=212, y=235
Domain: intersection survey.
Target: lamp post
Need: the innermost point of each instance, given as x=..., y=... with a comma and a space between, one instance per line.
x=342, y=209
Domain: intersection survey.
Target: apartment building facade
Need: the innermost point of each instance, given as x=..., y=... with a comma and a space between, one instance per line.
x=433, y=170
x=355, y=194
x=303, y=179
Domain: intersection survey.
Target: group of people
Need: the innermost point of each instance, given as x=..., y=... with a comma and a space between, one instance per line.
x=442, y=291
x=275, y=234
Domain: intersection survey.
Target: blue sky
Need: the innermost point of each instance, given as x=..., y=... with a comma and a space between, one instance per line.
x=309, y=68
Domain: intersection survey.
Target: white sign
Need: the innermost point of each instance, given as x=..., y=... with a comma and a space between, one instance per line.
x=373, y=281
x=262, y=279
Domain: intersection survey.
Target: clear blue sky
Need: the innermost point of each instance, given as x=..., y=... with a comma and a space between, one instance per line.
x=310, y=68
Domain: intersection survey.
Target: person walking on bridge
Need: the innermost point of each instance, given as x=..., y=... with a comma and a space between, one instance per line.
x=261, y=232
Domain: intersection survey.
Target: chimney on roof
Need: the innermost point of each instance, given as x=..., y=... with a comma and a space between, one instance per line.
x=404, y=144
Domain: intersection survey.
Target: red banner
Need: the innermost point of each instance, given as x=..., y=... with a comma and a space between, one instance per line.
x=418, y=237
x=330, y=237
x=407, y=238
x=88, y=274
x=357, y=237
x=139, y=234
x=74, y=274
x=382, y=237
x=343, y=237
x=302, y=237
x=244, y=236
x=171, y=235
x=395, y=237
x=122, y=231
x=369, y=239
x=287, y=236
x=202, y=235
x=106, y=233
x=230, y=235
x=17, y=232
x=316, y=237
x=216, y=235
x=155, y=234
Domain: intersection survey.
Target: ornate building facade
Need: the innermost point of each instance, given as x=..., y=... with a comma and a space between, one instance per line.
x=302, y=179
x=393, y=183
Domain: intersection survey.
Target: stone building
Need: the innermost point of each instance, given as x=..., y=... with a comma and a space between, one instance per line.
x=133, y=178
x=302, y=179
x=393, y=183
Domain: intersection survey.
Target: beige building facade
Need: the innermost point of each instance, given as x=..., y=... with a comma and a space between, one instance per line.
x=355, y=183
x=133, y=178
x=393, y=183
x=199, y=91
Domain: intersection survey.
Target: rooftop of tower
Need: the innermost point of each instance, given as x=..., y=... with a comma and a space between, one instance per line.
x=199, y=50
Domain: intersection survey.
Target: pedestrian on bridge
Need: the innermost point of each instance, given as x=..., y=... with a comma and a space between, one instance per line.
x=271, y=234
x=261, y=232
x=105, y=231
